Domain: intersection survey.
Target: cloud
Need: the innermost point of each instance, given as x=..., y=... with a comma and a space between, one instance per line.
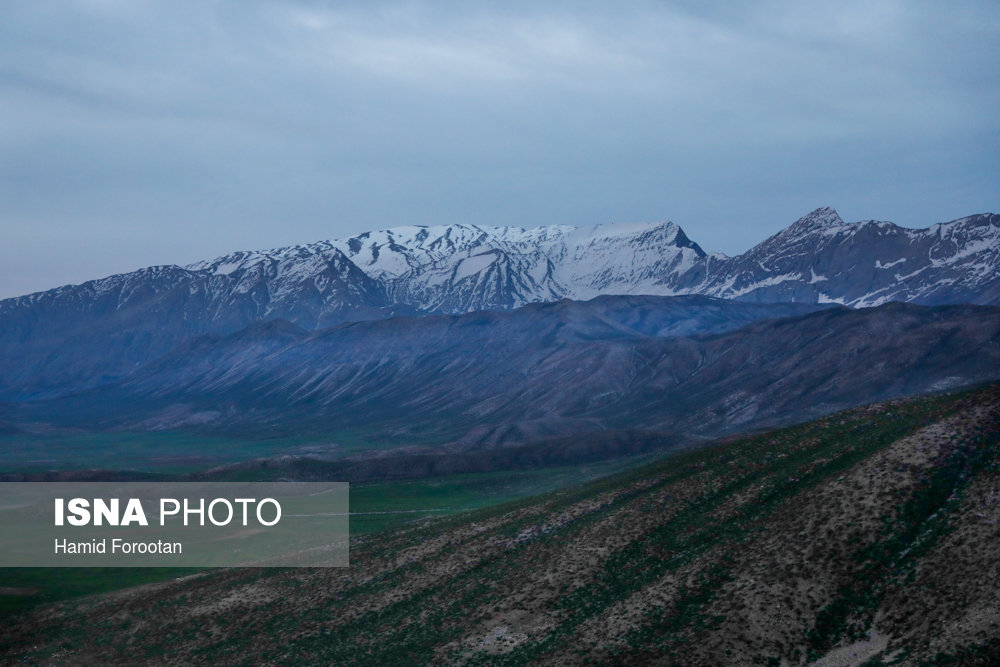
x=172, y=131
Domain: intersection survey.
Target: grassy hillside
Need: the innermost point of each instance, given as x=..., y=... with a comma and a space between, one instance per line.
x=375, y=506
x=870, y=535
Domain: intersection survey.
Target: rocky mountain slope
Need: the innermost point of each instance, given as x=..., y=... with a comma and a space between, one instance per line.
x=82, y=336
x=546, y=371
x=867, y=537
x=822, y=259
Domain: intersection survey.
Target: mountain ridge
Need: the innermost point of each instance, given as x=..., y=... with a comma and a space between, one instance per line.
x=565, y=247
x=106, y=328
x=409, y=254
x=693, y=367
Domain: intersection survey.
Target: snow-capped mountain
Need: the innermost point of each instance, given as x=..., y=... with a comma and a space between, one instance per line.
x=78, y=336
x=820, y=258
x=461, y=268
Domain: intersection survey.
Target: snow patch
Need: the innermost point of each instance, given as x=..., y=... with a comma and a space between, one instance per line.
x=767, y=282
x=880, y=265
x=472, y=265
x=826, y=298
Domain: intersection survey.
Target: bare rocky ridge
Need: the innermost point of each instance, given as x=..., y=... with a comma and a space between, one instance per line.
x=868, y=535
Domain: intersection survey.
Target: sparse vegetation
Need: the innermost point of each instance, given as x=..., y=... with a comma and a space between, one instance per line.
x=870, y=533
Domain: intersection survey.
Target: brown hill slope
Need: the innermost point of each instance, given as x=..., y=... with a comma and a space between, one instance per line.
x=868, y=535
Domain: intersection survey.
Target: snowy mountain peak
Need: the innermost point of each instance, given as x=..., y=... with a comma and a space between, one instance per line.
x=825, y=220
x=461, y=267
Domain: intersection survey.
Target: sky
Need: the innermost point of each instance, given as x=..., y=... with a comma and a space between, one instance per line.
x=143, y=132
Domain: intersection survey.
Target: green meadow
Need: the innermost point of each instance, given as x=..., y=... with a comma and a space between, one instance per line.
x=375, y=506
x=167, y=452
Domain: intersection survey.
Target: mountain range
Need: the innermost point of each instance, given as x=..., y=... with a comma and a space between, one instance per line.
x=546, y=383
x=818, y=259
x=84, y=336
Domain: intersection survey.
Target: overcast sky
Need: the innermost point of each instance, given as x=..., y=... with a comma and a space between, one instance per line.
x=139, y=132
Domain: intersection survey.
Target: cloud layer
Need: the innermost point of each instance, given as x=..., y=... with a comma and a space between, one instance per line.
x=140, y=132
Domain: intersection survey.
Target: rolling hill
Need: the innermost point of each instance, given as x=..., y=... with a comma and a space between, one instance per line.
x=868, y=536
